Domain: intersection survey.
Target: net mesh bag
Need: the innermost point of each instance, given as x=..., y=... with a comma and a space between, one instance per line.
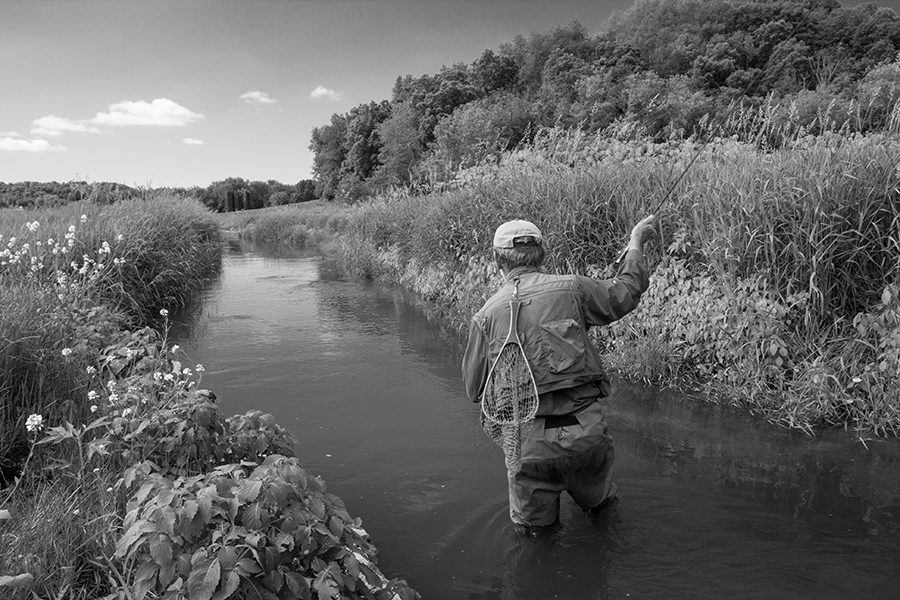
x=510, y=398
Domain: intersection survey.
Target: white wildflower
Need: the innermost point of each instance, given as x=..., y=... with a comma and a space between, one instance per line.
x=111, y=385
x=92, y=395
x=91, y=370
x=120, y=237
x=126, y=412
x=96, y=469
x=157, y=376
x=199, y=368
x=175, y=348
x=83, y=219
x=94, y=408
x=169, y=377
x=113, y=398
x=164, y=313
x=34, y=423
x=66, y=352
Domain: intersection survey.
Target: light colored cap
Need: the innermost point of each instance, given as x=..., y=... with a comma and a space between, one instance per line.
x=510, y=232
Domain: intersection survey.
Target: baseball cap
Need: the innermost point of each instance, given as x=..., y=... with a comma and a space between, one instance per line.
x=517, y=232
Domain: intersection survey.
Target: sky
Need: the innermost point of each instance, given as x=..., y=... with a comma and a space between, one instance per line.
x=186, y=92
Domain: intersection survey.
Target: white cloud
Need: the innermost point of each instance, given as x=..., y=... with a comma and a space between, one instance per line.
x=11, y=144
x=160, y=112
x=14, y=134
x=324, y=92
x=54, y=126
x=257, y=97
x=192, y=141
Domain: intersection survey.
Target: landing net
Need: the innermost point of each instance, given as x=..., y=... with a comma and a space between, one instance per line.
x=510, y=398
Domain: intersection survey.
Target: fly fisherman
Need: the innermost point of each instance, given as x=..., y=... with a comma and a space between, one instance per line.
x=566, y=447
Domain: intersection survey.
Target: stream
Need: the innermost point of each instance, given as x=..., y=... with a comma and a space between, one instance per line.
x=713, y=503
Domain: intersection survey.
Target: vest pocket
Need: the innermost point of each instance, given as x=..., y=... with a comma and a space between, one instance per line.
x=563, y=342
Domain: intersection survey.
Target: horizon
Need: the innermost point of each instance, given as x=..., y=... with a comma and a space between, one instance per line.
x=155, y=93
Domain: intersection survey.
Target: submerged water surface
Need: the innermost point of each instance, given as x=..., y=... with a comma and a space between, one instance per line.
x=713, y=504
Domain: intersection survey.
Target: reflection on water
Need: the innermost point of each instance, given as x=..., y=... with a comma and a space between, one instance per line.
x=713, y=504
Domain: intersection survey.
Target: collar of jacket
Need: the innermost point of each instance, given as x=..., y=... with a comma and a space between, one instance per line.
x=519, y=271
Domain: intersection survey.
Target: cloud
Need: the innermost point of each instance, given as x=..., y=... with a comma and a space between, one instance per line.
x=324, y=92
x=14, y=134
x=54, y=126
x=192, y=141
x=10, y=144
x=257, y=97
x=160, y=112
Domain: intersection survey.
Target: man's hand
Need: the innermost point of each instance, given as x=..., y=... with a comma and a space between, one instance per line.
x=645, y=228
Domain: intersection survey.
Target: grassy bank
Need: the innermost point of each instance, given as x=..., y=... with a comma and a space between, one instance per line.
x=122, y=479
x=309, y=223
x=775, y=277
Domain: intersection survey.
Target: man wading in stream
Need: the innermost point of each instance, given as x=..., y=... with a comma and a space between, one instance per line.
x=566, y=447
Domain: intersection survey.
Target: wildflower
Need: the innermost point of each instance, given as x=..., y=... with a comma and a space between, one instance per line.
x=126, y=412
x=91, y=370
x=186, y=372
x=111, y=385
x=856, y=380
x=92, y=395
x=34, y=423
x=33, y=226
x=105, y=249
x=76, y=511
x=168, y=377
x=71, y=229
x=199, y=368
x=96, y=469
x=66, y=352
x=164, y=313
x=83, y=219
x=94, y=408
x=157, y=376
x=175, y=348
x=113, y=398
x=109, y=489
x=120, y=237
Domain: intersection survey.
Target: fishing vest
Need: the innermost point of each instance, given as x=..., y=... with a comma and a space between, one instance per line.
x=551, y=327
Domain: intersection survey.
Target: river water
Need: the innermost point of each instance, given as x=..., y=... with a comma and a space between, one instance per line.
x=714, y=504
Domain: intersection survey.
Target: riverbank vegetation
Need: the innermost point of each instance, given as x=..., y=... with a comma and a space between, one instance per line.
x=120, y=476
x=777, y=268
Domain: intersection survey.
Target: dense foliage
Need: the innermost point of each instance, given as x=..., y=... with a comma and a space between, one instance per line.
x=663, y=66
x=236, y=193
x=33, y=194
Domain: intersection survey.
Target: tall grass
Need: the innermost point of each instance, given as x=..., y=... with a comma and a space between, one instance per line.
x=72, y=277
x=776, y=270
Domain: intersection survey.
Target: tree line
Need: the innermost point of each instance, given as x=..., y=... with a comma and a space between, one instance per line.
x=662, y=67
x=245, y=194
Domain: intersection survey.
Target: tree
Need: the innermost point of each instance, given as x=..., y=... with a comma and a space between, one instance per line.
x=328, y=145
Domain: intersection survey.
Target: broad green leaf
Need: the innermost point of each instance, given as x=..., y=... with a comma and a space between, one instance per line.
x=248, y=491
x=145, y=579
x=248, y=567
x=229, y=586
x=326, y=587
x=274, y=580
x=132, y=536
x=203, y=580
x=161, y=550
x=298, y=585
x=254, y=517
